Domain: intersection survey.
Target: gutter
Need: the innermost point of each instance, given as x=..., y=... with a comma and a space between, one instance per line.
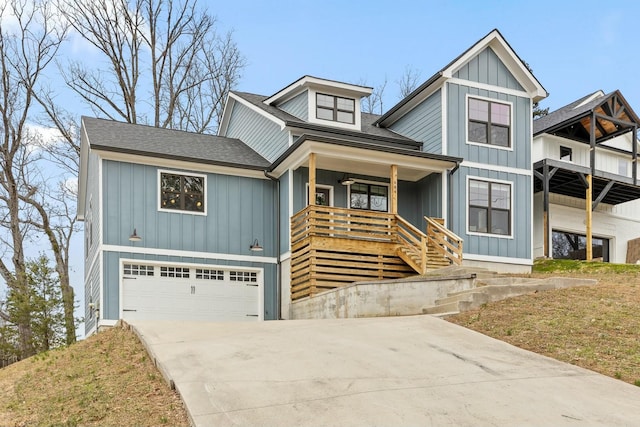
x=278, y=260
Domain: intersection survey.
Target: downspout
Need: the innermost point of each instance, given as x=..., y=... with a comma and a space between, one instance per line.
x=278, y=275
x=450, y=172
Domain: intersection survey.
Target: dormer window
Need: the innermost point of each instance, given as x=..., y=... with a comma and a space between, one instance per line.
x=335, y=108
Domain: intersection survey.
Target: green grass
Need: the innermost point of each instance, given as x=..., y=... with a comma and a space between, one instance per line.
x=569, y=265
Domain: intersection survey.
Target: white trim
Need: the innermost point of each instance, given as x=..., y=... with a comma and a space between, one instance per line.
x=445, y=117
x=226, y=116
x=312, y=117
x=181, y=211
x=491, y=88
x=531, y=195
x=180, y=164
x=498, y=259
x=511, y=212
x=290, y=213
x=326, y=187
x=285, y=256
x=258, y=270
x=308, y=81
x=108, y=322
x=445, y=198
x=258, y=110
x=496, y=168
x=189, y=254
x=364, y=181
x=466, y=122
x=99, y=253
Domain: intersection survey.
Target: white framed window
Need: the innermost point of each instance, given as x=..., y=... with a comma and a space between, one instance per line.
x=489, y=122
x=179, y=272
x=335, y=108
x=208, y=274
x=182, y=192
x=489, y=207
x=324, y=195
x=623, y=167
x=369, y=195
x=138, y=270
x=243, y=276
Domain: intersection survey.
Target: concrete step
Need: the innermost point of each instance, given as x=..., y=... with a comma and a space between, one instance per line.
x=441, y=308
x=447, y=314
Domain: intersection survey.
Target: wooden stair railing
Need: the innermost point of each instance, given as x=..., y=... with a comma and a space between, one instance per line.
x=412, y=245
x=444, y=241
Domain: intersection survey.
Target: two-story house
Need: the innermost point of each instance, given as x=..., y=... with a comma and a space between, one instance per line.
x=186, y=226
x=593, y=138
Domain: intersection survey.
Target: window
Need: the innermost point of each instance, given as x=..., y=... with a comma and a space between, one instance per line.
x=623, y=167
x=335, y=108
x=138, y=270
x=243, y=276
x=369, y=196
x=206, y=274
x=566, y=153
x=489, y=207
x=179, y=272
x=568, y=245
x=324, y=195
x=182, y=192
x=489, y=122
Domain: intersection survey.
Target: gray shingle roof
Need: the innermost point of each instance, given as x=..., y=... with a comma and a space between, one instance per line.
x=368, y=120
x=563, y=114
x=145, y=140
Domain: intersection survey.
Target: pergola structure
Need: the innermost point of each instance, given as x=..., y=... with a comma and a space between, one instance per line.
x=593, y=123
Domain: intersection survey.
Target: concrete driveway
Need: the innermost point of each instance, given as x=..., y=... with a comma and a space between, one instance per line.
x=398, y=371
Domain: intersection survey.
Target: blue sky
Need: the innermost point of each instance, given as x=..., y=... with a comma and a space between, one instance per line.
x=574, y=47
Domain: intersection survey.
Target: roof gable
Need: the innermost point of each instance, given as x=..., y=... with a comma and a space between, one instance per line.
x=499, y=46
x=486, y=67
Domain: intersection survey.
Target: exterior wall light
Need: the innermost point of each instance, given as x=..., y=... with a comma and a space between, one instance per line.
x=347, y=180
x=255, y=246
x=134, y=237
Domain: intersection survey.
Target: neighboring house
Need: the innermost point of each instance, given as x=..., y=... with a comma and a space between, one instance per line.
x=393, y=195
x=595, y=135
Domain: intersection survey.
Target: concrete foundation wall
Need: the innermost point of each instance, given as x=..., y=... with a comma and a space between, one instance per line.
x=377, y=299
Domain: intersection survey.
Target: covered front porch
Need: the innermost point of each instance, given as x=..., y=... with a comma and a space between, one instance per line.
x=354, y=228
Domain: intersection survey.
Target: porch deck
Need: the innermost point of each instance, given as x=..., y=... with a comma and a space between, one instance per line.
x=332, y=247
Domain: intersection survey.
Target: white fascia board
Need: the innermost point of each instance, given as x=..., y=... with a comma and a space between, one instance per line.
x=82, y=178
x=189, y=254
x=180, y=164
x=360, y=156
x=497, y=259
x=508, y=57
x=226, y=115
x=257, y=110
x=307, y=81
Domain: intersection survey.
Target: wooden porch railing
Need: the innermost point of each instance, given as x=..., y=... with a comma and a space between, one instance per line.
x=444, y=241
x=332, y=247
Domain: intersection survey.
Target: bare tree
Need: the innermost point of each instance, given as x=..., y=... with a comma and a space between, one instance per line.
x=167, y=65
x=374, y=103
x=28, y=43
x=409, y=81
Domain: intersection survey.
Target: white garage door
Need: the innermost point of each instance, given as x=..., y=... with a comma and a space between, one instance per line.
x=171, y=292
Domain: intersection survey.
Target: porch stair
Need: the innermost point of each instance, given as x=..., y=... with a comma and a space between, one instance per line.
x=491, y=288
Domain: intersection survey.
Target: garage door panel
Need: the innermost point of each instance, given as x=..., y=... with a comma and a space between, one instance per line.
x=208, y=295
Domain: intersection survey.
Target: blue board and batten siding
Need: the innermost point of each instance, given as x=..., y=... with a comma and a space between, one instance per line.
x=92, y=241
x=424, y=123
x=261, y=134
x=297, y=106
x=512, y=165
x=238, y=210
x=488, y=69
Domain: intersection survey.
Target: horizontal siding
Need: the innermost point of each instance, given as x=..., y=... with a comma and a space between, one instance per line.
x=112, y=280
x=91, y=295
x=520, y=246
x=297, y=106
x=239, y=210
x=92, y=216
x=258, y=132
x=424, y=123
x=519, y=157
x=487, y=68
